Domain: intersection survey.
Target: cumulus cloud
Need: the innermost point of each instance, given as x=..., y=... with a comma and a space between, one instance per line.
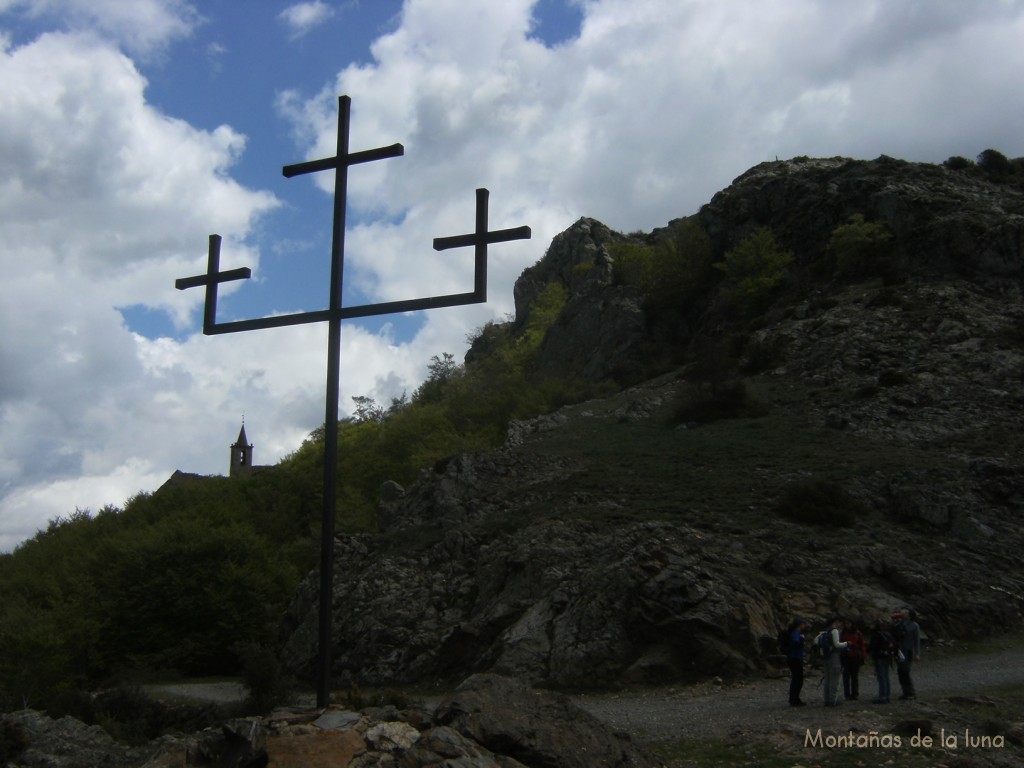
x=303, y=17
x=142, y=27
x=104, y=201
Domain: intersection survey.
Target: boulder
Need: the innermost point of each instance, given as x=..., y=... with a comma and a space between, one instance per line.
x=65, y=743
x=69, y=743
x=536, y=728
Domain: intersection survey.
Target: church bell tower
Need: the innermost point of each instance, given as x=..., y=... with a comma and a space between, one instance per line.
x=241, y=455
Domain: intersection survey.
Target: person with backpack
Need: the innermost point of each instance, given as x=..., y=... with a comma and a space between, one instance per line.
x=881, y=649
x=830, y=645
x=852, y=659
x=791, y=645
x=907, y=633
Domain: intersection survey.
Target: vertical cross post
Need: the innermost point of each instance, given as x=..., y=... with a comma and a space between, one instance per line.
x=323, y=683
x=340, y=163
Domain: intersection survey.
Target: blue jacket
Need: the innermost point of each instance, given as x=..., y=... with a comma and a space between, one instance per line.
x=796, y=646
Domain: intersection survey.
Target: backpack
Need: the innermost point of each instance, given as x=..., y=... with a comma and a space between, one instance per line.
x=883, y=645
x=887, y=645
x=897, y=630
x=821, y=649
x=824, y=641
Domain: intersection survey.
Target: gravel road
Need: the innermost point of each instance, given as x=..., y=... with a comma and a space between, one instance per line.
x=203, y=693
x=755, y=706
x=761, y=706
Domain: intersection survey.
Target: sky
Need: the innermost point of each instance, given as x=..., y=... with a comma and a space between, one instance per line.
x=131, y=131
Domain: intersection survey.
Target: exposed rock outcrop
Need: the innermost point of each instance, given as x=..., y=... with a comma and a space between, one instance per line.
x=565, y=603
x=946, y=223
x=536, y=728
x=601, y=332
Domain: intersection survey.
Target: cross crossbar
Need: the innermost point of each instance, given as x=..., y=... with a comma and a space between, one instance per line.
x=366, y=156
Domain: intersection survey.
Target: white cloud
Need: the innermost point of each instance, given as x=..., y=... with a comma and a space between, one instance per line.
x=301, y=18
x=103, y=202
x=21, y=508
x=140, y=26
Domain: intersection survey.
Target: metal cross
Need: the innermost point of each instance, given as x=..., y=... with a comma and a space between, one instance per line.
x=480, y=238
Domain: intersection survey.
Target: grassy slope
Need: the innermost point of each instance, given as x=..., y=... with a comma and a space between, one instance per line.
x=726, y=474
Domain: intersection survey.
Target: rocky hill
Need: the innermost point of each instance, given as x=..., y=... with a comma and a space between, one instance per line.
x=853, y=444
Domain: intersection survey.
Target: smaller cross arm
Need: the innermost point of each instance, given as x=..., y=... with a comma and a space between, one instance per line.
x=498, y=236
x=480, y=238
x=242, y=273
x=211, y=280
x=353, y=158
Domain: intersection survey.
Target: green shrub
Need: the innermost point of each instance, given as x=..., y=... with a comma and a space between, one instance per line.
x=819, y=502
x=958, y=163
x=992, y=165
x=753, y=270
x=859, y=246
x=632, y=264
x=543, y=312
x=440, y=371
x=263, y=677
x=671, y=274
x=996, y=166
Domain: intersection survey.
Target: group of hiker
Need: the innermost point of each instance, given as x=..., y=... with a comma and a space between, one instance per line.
x=844, y=648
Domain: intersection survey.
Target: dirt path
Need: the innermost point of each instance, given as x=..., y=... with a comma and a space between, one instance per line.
x=203, y=693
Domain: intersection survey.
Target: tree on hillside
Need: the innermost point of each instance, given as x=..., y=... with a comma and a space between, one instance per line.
x=753, y=270
x=859, y=245
x=995, y=165
x=440, y=371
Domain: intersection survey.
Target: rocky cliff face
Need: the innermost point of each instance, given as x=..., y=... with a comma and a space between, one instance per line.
x=610, y=544
x=601, y=332
x=945, y=222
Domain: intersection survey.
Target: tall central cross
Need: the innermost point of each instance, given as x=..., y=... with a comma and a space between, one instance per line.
x=480, y=238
